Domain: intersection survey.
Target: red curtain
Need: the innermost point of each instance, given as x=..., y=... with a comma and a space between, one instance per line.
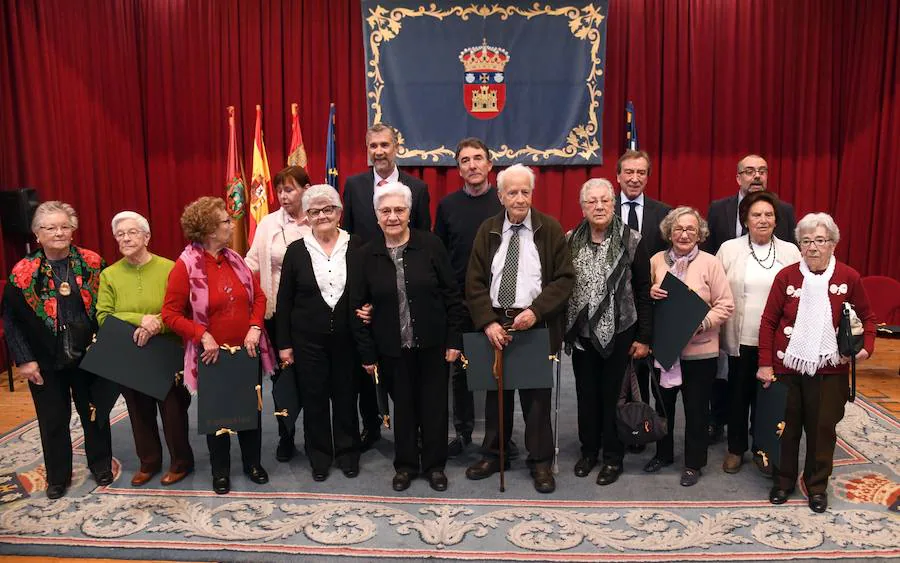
x=113, y=104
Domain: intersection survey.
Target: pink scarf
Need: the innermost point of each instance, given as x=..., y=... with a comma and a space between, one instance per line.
x=192, y=257
x=678, y=265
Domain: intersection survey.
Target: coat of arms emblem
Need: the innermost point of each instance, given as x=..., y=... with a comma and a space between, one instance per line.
x=484, y=86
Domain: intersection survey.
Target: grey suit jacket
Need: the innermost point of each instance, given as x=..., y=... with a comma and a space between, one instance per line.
x=359, y=214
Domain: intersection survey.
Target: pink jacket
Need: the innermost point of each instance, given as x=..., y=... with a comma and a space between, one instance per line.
x=706, y=277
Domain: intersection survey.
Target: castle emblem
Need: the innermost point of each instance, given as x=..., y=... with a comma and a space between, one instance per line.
x=484, y=85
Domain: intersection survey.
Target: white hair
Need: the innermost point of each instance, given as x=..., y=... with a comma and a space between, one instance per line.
x=49, y=208
x=142, y=222
x=811, y=221
x=512, y=170
x=392, y=188
x=320, y=191
x=596, y=183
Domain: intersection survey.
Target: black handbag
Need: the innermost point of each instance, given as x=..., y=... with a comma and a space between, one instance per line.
x=850, y=340
x=72, y=341
x=637, y=423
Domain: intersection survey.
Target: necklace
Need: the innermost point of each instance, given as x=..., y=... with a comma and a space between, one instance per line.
x=64, y=288
x=771, y=254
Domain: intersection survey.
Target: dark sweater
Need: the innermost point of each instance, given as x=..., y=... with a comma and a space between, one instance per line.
x=458, y=217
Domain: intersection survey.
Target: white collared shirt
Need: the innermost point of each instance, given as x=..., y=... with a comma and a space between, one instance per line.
x=528, y=278
x=638, y=209
x=330, y=271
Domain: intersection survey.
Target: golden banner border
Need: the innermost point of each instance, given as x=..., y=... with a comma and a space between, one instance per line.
x=584, y=24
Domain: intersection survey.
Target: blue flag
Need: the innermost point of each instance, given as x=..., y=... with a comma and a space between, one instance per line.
x=331, y=167
x=631, y=138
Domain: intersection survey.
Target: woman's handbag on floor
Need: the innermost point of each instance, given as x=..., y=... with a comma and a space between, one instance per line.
x=637, y=423
x=850, y=341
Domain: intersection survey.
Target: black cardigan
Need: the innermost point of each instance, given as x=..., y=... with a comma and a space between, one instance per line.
x=435, y=304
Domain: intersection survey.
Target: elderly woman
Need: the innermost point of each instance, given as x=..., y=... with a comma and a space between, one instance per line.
x=52, y=295
x=274, y=234
x=132, y=290
x=414, y=332
x=798, y=345
x=608, y=321
x=750, y=263
x=212, y=299
x=695, y=369
x=313, y=328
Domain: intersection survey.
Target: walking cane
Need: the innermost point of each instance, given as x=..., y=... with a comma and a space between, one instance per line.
x=498, y=375
x=557, y=365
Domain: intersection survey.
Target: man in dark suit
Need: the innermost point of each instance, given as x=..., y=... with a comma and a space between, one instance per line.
x=359, y=220
x=641, y=213
x=359, y=215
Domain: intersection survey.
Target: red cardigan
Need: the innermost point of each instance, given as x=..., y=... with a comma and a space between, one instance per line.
x=230, y=310
x=781, y=312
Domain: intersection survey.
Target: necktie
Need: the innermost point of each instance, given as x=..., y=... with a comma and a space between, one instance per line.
x=381, y=182
x=632, y=215
x=507, y=294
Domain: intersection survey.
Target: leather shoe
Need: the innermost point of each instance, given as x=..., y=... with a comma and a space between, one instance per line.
x=438, y=480
x=286, y=449
x=141, y=478
x=172, y=477
x=779, y=496
x=401, y=481
x=104, y=478
x=458, y=444
x=655, y=464
x=609, y=474
x=319, y=476
x=761, y=465
x=818, y=502
x=351, y=472
x=485, y=468
x=585, y=465
x=368, y=438
x=221, y=485
x=544, y=481
x=689, y=477
x=55, y=491
x=732, y=463
x=257, y=474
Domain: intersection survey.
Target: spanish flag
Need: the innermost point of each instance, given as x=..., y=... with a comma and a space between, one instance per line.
x=235, y=189
x=297, y=154
x=262, y=197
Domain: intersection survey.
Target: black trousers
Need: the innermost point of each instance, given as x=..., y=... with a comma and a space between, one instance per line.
x=52, y=403
x=285, y=432
x=327, y=367
x=697, y=379
x=536, y=405
x=741, y=397
x=815, y=405
x=719, y=402
x=417, y=382
x=173, y=411
x=598, y=383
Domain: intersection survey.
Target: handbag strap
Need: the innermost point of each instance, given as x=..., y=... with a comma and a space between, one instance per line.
x=630, y=383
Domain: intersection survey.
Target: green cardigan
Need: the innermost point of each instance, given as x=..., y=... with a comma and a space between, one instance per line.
x=129, y=292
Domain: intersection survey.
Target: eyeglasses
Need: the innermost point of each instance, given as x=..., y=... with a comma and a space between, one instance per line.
x=690, y=231
x=818, y=241
x=592, y=203
x=751, y=171
x=329, y=210
x=50, y=229
x=388, y=211
x=130, y=233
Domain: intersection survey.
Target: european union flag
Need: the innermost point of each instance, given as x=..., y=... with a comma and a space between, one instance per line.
x=631, y=138
x=331, y=168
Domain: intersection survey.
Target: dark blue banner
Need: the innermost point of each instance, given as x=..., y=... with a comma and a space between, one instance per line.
x=527, y=77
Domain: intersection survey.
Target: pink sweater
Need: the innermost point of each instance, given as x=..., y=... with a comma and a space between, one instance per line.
x=706, y=277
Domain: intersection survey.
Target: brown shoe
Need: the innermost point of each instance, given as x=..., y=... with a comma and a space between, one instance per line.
x=172, y=477
x=141, y=478
x=544, y=481
x=732, y=463
x=484, y=468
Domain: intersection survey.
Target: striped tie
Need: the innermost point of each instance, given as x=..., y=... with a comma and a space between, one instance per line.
x=507, y=294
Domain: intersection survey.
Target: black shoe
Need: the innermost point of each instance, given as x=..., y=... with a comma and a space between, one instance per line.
x=319, y=476
x=655, y=464
x=636, y=448
x=368, y=438
x=779, y=496
x=458, y=444
x=104, y=478
x=55, y=491
x=437, y=479
x=689, y=477
x=286, y=449
x=609, y=474
x=221, y=485
x=257, y=474
x=715, y=433
x=351, y=472
x=401, y=481
x=485, y=468
x=584, y=465
x=818, y=502
x=543, y=480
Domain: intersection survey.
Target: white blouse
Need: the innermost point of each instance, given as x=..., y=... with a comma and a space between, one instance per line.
x=330, y=271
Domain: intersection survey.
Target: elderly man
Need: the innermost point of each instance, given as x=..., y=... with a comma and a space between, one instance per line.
x=458, y=217
x=520, y=275
x=359, y=220
x=641, y=213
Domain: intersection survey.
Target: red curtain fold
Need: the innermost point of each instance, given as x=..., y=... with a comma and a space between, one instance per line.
x=112, y=104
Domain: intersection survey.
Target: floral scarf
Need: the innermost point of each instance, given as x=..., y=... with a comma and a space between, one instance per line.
x=34, y=278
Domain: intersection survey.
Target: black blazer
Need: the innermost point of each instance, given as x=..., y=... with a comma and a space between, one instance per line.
x=722, y=219
x=654, y=212
x=359, y=213
x=435, y=304
x=301, y=308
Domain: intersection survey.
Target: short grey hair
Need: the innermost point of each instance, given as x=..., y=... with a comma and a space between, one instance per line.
x=392, y=188
x=515, y=169
x=49, y=208
x=596, y=183
x=319, y=191
x=667, y=224
x=142, y=222
x=812, y=220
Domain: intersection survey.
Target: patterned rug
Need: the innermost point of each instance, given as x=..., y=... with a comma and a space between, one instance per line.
x=640, y=518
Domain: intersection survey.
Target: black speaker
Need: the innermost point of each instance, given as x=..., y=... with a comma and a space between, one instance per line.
x=16, y=210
